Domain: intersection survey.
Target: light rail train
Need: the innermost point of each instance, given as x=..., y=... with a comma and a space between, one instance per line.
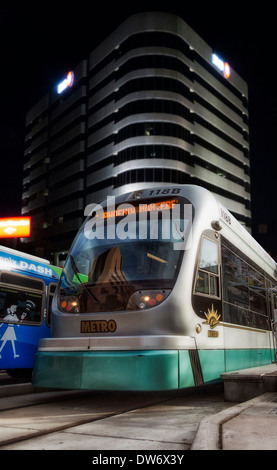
x=27, y=286
x=162, y=289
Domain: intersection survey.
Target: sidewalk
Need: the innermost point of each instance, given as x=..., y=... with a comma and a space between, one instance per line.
x=251, y=425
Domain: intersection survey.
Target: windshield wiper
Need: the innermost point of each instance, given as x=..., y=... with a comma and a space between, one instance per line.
x=75, y=270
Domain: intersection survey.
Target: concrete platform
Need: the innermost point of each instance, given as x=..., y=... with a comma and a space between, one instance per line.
x=251, y=425
x=246, y=384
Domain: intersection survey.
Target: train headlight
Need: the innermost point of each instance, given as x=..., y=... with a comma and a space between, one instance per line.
x=69, y=304
x=145, y=299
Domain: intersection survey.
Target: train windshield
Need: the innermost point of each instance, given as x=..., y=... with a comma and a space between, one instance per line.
x=125, y=259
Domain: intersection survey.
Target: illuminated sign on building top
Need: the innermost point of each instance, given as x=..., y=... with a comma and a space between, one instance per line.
x=224, y=67
x=15, y=227
x=66, y=83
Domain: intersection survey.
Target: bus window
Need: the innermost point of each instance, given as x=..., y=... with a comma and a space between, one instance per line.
x=21, y=281
x=51, y=292
x=207, y=279
x=18, y=302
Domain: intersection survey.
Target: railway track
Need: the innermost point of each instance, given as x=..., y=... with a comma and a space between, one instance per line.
x=70, y=420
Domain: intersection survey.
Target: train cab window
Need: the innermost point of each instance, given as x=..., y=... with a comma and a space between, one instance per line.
x=207, y=278
x=209, y=256
x=18, y=302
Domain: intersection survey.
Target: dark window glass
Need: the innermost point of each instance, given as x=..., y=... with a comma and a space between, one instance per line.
x=244, y=290
x=21, y=299
x=18, y=306
x=235, y=279
x=257, y=291
x=22, y=281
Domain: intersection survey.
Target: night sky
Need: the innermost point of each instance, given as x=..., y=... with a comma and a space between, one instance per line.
x=40, y=42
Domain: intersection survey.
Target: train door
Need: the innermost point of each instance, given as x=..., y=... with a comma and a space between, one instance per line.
x=271, y=300
x=207, y=304
x=273, y=318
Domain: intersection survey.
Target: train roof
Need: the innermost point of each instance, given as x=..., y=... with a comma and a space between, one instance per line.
x=226, y=224
x=211, y=212
x=233, y=230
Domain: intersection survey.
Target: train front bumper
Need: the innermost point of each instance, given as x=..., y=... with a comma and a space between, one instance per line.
x=161, y=363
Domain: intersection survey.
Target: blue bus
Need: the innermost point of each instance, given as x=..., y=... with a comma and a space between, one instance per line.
x=27, y=286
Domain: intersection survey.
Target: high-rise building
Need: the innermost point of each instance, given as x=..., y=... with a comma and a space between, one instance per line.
x=153, y=103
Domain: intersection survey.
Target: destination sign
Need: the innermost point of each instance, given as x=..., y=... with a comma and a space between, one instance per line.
x=125, y=209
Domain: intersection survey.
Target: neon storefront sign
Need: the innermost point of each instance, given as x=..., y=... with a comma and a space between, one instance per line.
x=14, y=227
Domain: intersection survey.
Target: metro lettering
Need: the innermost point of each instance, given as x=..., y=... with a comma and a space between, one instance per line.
x=98, y=326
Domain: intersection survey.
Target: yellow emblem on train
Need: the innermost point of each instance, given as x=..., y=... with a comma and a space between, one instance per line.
x=212, y=317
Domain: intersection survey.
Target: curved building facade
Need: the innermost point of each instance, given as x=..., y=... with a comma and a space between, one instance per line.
x=151, y=104
x=160, y=110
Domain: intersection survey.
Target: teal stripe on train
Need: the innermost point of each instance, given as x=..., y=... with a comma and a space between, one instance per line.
x=216, y=362
x=124, y=370
x=138, y=370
